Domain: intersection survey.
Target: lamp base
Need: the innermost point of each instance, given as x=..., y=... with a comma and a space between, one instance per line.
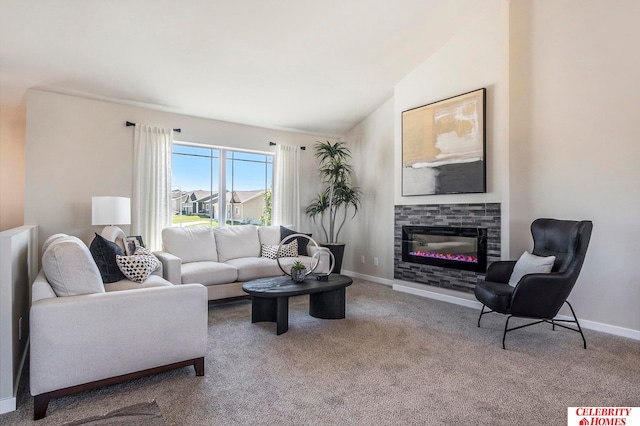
x=115, y=234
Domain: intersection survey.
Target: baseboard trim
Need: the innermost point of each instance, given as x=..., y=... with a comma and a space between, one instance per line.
x=584, y=323
x=7, y=405
x=438, y=296
x=371, y=278
x=606, y=328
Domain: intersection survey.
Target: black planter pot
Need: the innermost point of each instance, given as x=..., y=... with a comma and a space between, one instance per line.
x=337, y=249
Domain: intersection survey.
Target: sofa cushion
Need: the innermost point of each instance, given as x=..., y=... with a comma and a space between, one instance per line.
x=104, y=253
x=302, y=241
x=251, y=268
x=191, y=243
x=139, y=266
x=270, y=234
x=234, y=242
x=70, y=268
x=208, y=273
x=151, y=281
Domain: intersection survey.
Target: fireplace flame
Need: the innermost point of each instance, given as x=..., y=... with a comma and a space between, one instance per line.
x=446, y=256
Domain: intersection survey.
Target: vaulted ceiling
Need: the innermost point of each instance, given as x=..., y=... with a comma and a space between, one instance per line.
x=315, y=66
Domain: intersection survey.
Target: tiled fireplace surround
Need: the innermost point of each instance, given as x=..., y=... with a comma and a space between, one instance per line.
x=478, y=215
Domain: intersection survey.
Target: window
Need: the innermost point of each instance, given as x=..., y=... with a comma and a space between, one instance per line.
x=244, y=180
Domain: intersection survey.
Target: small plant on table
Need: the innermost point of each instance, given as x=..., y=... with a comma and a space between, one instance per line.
x=298, y=270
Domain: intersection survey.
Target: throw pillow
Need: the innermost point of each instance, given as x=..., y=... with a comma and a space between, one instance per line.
x=70, y=268
x=287, y=250
x=302, y=241
x=104, y=253
x=139, y=266
x=530, y=264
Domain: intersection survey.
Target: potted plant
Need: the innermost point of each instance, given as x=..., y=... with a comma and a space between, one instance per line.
x=338, y=196
x=298, y=271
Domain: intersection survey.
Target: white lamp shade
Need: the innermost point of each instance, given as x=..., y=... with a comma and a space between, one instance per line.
x=110, y=211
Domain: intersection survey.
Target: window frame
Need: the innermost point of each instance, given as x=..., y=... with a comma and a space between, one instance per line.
x=223, y=214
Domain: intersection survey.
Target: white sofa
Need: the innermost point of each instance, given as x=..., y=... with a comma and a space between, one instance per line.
x=107, y=333
x=224, y=258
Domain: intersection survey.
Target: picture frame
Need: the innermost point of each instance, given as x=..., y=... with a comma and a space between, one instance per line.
x=444, y=146
x=139, y=239
x=131, y=243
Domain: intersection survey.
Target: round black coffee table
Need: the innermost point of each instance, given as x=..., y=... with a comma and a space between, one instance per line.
x=270, y=298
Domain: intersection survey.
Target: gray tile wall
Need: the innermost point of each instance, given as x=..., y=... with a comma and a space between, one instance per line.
x=479, y=215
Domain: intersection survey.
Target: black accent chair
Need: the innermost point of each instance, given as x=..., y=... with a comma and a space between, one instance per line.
x=539, y=296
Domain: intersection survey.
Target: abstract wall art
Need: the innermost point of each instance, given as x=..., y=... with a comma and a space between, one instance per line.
x=443, y=146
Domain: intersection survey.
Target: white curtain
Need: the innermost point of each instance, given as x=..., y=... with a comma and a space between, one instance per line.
x=151, y=201
x=286, y=188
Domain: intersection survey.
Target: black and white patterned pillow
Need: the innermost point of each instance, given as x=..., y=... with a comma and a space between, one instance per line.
x=139, y=266
x=288, y=250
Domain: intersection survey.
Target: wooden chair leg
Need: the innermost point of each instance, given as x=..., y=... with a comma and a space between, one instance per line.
x=40, y=405
x=198, y=365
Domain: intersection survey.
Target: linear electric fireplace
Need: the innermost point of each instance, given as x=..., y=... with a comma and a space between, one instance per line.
x=450, y=247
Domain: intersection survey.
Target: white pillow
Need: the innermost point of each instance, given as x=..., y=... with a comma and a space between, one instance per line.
x=191, y=243
x=271, y=234
x=530, y=264
x=70, y=268
x=237, y=241
x=138, y=266
x=270, y=251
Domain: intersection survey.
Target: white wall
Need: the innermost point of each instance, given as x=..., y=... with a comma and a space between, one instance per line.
x=574, y=140
x=78, y=148
x=473, y=59
x=561, y=136
x=12, y=152
x=370, y=233
x=476, y=57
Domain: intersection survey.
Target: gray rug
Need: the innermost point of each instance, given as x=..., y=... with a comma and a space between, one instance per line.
x=396, y=359
x=144, y=414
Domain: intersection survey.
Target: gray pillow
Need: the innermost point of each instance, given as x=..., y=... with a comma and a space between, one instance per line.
x=70, y=269
x=530, y=264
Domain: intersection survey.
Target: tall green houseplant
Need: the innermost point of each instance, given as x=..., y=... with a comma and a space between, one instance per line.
x=338, y=197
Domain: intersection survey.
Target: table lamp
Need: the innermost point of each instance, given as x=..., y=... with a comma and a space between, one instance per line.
x=111, y=211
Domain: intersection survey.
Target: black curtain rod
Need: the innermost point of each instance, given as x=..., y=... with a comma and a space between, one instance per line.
x=274, y=144
x=129, y=124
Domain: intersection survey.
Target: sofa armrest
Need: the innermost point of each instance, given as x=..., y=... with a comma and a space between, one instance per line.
x=171, y=267
x=81, y=339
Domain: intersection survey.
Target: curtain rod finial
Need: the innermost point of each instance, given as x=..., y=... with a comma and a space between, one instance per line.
x=274, y=144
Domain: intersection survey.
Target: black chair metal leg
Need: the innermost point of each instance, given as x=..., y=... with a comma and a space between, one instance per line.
x=480, y=317
x=554, y=322
x=504, y=335
x=584, y=341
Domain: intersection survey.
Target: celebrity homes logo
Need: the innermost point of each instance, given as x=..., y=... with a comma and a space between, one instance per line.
x=603, y=416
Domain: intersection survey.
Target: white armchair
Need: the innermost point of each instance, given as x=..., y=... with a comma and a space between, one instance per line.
x=84, y=341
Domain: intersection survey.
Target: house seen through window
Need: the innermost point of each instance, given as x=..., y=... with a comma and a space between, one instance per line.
x=204, y=179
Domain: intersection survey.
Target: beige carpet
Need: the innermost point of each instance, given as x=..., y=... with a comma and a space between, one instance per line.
x=397, y=359
x=143, y=414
